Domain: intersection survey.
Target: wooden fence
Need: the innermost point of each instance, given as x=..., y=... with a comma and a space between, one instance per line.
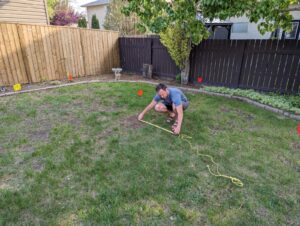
x=35, y=53
x=136, y=51
x=265, y=65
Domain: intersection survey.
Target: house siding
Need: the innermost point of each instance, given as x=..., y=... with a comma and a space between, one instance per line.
x=23, y=11
x=253, y=32
x=99, y=11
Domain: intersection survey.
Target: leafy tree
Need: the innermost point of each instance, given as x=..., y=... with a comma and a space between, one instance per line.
x=117, y=21
x=63, y=17
x=51, y=4
x=82, y=22
x=167, y=16
x=95, y=22
x=179, y=48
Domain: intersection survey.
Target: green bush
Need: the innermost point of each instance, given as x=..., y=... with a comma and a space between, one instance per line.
x=177, y=43
x=295, y=101
x=82, y=22
x=95, y=22
x=289, y=103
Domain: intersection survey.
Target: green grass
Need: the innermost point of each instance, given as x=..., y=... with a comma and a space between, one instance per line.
x=77, y=155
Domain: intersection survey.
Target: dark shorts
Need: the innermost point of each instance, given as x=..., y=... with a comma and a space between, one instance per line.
x=185, y=105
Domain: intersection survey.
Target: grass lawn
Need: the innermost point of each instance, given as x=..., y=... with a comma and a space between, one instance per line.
x=77, y=155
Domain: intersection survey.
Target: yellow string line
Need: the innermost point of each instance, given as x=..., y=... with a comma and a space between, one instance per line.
x=184, y=137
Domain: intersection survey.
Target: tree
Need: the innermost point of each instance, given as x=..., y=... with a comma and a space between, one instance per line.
x=117, y=21
x=95, y=22
x=51, y=4
x=82, y=22
x=63, y=17
x=165, y=17
x=179, y=48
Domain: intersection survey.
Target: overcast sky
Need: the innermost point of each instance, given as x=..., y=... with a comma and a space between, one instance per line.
x=77, y=3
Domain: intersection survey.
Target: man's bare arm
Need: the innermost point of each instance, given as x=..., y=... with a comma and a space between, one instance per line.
x=179, y=110
x=148, y=108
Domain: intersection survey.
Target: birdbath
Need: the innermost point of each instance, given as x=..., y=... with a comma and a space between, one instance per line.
x=117, y=72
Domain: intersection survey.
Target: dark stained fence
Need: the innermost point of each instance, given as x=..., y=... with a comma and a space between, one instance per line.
x=136, y=51
x=163, y=65
x=265, y=65
x=218, y=62
x=271, y=65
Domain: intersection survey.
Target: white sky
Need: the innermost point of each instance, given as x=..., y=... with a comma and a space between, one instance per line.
x=77, y=3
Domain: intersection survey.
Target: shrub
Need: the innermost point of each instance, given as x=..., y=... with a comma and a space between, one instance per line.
x=95, y=22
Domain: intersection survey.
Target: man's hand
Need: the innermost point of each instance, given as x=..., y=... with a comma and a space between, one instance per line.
x=176, y=130
x=141, y=116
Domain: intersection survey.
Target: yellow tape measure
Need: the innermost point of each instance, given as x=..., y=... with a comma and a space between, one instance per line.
x=234, y=180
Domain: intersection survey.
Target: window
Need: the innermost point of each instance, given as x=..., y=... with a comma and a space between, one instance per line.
x=239, y=28
x=293, y=33
x=277, y=34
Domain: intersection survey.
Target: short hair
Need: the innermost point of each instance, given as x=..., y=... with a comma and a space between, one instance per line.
x=160, y=86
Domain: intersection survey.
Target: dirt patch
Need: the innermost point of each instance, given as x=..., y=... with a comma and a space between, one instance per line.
x=40, y=135
x=27, y=148
x=6, y=186
x=262, y=213
x=215, y=129
x=106, y=133
x=224, y=109
x=6, y=182
x=37, y=165
x=295, y=145
x=131, y=122
x=238, y=112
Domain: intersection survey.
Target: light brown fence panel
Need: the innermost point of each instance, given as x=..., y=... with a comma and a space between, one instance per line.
x=12, y=67
x=51, y=52
x=36, y=53
x=100, y=50
x=72, y=49
x=39, y=51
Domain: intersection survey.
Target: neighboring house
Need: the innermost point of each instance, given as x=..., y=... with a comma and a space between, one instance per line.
x=98, y=8
x=241, y=28
x=24, y=11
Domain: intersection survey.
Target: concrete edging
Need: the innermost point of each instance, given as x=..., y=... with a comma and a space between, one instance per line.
x=244, y=99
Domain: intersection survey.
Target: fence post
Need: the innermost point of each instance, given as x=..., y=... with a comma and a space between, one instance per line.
x=83, y=55
x=151, y=53
x=242, y=64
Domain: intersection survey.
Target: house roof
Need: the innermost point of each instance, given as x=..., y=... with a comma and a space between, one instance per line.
x=98, y=2
x=220, y=24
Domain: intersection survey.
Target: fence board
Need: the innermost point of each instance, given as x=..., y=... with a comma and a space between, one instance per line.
x=12, y=67
x=268, y=65
x=35, y=53
x=162, y=63
x=136, y=52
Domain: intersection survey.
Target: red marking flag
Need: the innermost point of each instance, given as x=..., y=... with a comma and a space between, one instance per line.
x=140, y=92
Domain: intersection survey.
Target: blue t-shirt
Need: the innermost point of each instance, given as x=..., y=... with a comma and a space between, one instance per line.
x=175, y=96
